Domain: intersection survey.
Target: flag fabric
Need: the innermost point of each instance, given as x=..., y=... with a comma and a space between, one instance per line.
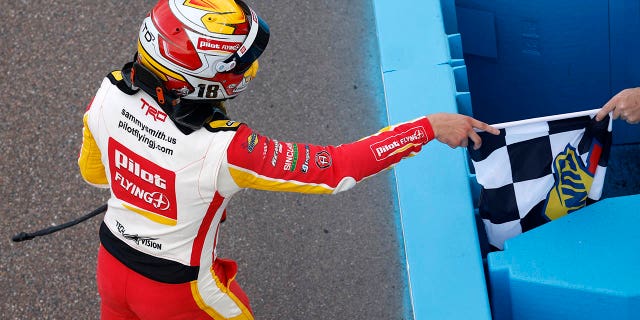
x=538, y=171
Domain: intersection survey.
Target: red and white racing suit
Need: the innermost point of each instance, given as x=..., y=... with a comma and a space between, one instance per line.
x=169, y=192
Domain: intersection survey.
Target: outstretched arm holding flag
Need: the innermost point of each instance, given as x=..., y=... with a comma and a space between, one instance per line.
x=453, y=130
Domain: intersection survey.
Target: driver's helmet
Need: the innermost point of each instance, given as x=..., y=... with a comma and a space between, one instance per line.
x=202, y=49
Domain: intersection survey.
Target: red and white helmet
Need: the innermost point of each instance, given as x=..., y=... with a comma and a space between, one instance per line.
x=202, y=49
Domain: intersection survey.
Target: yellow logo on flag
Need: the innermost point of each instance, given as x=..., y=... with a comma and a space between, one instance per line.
x=572, y=184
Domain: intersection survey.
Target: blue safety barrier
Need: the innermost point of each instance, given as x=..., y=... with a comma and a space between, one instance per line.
x=421, y=65
x=503, y=61
x=584, y=266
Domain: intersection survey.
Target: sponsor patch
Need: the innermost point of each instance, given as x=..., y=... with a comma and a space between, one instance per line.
x=277, y=148
x=216, y=45
x=291, y=157
x=139, y=240
x=151, y=111
x=398, y=143
x=252, y=140
x=307, y=155
x=142, y=183
x=323, y=159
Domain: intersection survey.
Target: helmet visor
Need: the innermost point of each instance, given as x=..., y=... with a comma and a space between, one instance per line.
x=252, y=47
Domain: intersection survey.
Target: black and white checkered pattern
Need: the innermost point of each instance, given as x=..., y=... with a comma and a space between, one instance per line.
x=515, y=171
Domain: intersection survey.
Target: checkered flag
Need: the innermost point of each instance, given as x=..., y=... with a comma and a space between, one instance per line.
x=539, y=170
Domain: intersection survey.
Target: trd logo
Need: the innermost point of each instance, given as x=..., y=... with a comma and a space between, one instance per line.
x=156, y=114
x=147, y=35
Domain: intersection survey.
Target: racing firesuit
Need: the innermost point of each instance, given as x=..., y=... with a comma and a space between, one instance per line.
x=169, y=191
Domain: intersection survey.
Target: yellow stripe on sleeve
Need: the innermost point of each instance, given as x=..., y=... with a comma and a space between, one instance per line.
x=250, y=179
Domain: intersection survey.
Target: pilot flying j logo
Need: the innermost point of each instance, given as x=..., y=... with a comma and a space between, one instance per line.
x=398, y=143
x=217, y=45
x=145, y=187
x=572, y=184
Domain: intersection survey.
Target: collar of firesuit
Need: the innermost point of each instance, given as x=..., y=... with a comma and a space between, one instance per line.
x=188, y=115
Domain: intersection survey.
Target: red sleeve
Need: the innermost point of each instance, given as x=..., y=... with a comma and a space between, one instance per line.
x=258, y=162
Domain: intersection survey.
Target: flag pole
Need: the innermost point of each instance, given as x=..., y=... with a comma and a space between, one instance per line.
x=546, y=118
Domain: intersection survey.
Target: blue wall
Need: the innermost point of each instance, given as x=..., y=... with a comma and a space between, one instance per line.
x=537, y=58
x=423, y=73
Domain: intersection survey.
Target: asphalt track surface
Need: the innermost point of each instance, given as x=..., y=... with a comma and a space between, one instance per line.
x=300, y=256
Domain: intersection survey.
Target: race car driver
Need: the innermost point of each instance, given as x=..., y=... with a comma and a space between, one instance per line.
x=158, y=136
